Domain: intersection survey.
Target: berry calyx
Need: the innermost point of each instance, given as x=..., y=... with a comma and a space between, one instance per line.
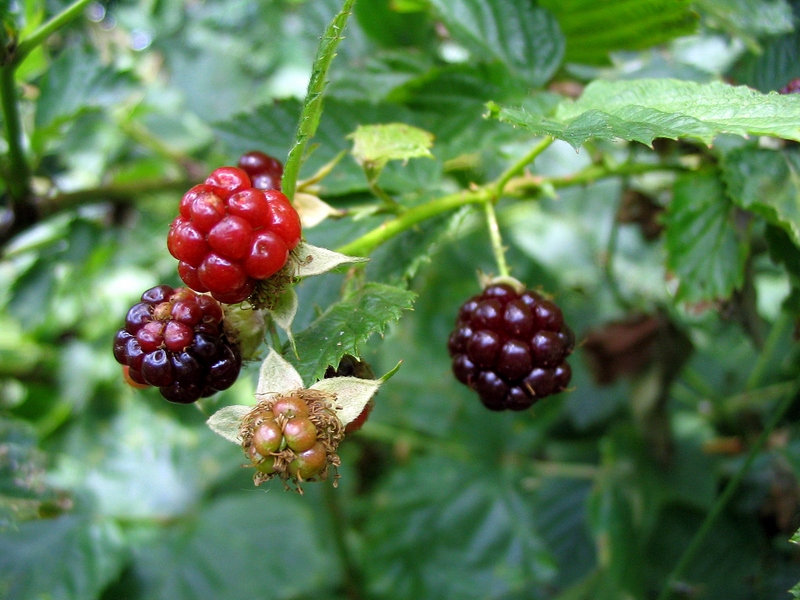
x=509, y=345
x=292, y=436
x=230, y=234
x=173, y=339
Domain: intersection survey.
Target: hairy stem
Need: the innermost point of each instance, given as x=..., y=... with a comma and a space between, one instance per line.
x=312, y=107
x=724, y=498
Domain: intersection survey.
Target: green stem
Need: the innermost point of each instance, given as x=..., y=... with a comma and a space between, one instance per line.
x=45, y=30
x=352, y=575
x=497, y=241
x=519, y=187
x=726, y=495
x=18, y=178
x=368, y=242
x=518, y=167
x=312, y=107
x=608, y=266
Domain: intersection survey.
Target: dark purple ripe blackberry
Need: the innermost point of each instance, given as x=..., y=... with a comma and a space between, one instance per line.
x=174, y=340
x=510, y=347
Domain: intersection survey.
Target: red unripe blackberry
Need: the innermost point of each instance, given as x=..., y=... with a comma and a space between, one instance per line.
x=264, y=170
x=510, y=347
x=230, y=235
x=174, y=340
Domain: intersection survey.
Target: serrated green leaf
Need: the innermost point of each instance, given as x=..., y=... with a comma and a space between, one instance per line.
x=378, y=144
x=346, y=325
x=644, y=109
x=766, y=182
x=522, y=36
x=448, y=530
x=70, y=557
x=703, y=247
x=593, y=29
x=243, y=546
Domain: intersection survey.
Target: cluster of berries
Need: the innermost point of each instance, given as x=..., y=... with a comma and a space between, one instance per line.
x=292, y=436
x=230, y=235
x=234, y=230
x=174, y=340
x=511, y=347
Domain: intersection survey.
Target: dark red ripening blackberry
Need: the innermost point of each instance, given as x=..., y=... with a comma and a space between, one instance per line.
x=265, y=171
x=793, y=87
x=174, y=340
x=510, y=347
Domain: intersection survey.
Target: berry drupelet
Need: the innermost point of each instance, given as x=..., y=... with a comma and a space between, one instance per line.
x=510, y=347
x=265, y=171
x=230, y=235
x=174, y=340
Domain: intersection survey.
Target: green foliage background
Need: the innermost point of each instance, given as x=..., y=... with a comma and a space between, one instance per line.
x=111, y=493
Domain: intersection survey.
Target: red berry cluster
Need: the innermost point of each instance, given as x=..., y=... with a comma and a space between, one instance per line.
x=510, y=347
x=174, y=340
x=229, y=235
x=265, y=171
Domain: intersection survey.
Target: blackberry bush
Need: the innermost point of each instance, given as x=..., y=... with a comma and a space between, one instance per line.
x=510, y=346
x=230, y=235
x=175, y=340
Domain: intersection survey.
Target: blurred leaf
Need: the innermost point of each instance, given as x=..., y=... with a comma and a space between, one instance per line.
x=378, y=144
x=444, y=529
x=644, y=109
x=593, y=30
x=774, y=67
x=754, y=17
x=143, y=464
x=68, y=558
x=250, y=545
x=387, y=26
x=78, y=81
x=524, y=37
x=766, y=182
x=345, y=326
x=702, y=243
x=782, y=250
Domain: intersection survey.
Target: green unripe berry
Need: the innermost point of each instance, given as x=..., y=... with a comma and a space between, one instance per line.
x=300, y=434
x=290, y=407
x=309, y=463
x=267, y=438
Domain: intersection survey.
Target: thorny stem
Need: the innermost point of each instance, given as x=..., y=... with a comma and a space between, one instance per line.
x=496, y=239
x=352, y=575
x=724, y=498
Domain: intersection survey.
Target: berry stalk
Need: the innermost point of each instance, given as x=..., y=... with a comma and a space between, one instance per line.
x=497, y=241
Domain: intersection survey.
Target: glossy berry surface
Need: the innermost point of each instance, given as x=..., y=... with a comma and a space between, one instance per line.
x=265, y=171
x=229, y=234
x=510, y=347
x=173, y=339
